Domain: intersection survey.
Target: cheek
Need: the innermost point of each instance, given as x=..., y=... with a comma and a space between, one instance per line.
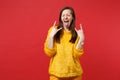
x=70, y=19
x=62, y=19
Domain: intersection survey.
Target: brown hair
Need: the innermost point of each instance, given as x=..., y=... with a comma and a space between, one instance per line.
x=71, y=28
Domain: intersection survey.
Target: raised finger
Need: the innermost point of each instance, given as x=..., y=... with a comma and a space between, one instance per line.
x=54, y=23
x=81, y=26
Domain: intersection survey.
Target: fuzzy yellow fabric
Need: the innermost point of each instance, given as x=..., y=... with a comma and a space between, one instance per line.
x=64, y=57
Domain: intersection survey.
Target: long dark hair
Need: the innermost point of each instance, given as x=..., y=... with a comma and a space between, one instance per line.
x=71, y=28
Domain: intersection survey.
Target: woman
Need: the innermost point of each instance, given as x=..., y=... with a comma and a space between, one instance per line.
x=64, y=44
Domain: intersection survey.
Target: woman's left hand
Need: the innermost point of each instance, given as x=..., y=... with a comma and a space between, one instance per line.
x=80, y=33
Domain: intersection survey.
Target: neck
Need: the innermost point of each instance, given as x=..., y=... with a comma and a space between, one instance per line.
x=66, y=28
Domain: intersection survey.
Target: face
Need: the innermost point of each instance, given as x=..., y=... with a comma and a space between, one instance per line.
x=66, y=18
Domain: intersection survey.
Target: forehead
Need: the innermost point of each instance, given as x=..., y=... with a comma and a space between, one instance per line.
x=66, y=11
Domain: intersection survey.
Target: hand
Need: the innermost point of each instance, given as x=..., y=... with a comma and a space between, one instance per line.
x=54, y=30
x=80, y=33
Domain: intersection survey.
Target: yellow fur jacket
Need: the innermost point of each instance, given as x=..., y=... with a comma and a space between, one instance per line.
x=64, y=57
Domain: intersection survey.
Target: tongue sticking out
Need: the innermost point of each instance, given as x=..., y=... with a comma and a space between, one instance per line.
x=66, y=23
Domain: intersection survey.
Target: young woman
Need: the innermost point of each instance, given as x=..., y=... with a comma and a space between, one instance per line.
x=64, y=44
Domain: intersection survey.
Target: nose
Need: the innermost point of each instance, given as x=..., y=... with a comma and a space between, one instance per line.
x=66, y=17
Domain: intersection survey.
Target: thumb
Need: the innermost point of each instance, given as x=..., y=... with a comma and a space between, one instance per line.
x=59, y=29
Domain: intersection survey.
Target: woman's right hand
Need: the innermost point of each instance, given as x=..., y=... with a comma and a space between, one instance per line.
x=54, y=30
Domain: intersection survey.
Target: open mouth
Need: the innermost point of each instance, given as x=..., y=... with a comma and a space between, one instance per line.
x=66, y=21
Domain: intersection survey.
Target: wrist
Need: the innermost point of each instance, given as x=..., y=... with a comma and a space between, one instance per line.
x=79, y=44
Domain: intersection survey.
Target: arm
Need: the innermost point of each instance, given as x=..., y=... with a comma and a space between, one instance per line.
x=49, y=43
x=49, y=47
x=78, y=51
